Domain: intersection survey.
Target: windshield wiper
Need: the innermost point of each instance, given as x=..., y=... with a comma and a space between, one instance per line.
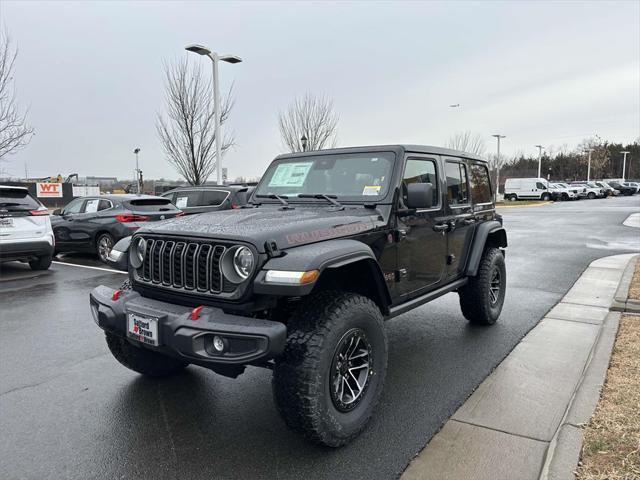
x=322, y=196
x=281, y=198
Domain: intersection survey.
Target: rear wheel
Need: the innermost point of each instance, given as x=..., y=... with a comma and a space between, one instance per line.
x=142, y=360
x=481, y=299
x=104, y=244
x=330, y=376
x=41, y=263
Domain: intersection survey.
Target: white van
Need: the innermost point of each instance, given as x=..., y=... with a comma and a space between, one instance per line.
x=526, y=188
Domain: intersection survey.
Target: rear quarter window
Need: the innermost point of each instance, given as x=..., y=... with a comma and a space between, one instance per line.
x=213, y=198
x=480, y=183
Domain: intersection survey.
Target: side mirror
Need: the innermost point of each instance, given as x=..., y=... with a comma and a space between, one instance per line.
x=419, y=195
x=57, y=211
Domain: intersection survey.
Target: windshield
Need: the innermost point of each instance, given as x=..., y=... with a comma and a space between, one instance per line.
x=350, y=176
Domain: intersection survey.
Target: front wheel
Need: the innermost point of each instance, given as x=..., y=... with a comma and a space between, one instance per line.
x=481, y=299
x=142, y=360
x=330, y=376
x=591, y=196
x=545, y=197
x=513, y=197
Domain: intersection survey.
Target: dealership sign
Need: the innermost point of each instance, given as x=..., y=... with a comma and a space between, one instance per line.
x=49, y=190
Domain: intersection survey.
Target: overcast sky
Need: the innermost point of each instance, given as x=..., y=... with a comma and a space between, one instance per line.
x=537, y=72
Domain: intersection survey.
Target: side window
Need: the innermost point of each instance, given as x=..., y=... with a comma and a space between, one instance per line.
x=420, y=171
x=480, y=184
x=171, y=197
x=74, y=207
x=92, y=205
x=104, y=205
x=213, y=198
x=457, y=190
x=540, y=186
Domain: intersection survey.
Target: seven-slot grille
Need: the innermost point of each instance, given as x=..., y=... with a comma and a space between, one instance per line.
x=182, y=265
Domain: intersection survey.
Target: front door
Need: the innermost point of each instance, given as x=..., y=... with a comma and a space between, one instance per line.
x=64, y=226
x=421, y=248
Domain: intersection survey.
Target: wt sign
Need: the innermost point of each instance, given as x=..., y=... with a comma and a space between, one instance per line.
x=49, y=190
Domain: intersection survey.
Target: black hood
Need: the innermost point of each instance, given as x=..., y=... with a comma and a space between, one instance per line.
x=288, y=228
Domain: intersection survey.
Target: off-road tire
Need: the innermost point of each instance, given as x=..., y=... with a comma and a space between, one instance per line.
x=302, y=375
x=591, y=195
x=101, y=249
x=41, y=263
x=475, y=296
x=142, y=360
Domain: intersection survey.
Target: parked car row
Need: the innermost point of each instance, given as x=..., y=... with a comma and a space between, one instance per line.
x=541, y=189
x=28, y=233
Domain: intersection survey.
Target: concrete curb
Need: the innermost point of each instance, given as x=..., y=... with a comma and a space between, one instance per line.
x=525, y=419
x=525, y=206
x=621, y=301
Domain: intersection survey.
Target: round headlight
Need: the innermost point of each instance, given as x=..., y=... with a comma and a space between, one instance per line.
x=137, y=252
x=243, y=262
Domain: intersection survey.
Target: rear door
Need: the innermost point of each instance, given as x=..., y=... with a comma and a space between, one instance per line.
x=459, y=214
x=16, y=220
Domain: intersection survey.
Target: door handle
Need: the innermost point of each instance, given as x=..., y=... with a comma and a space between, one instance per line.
x=441, y=227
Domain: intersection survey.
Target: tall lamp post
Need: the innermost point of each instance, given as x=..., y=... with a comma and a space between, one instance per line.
x=137, y=151
x=498, y=137
x=540, y=148
x=624, y=163
x=589, y=164
x=303, y=141
x=215, y=58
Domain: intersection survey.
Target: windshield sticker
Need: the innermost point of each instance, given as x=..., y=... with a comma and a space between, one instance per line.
x=290, y=174
x=181, y=202
x=371, y=190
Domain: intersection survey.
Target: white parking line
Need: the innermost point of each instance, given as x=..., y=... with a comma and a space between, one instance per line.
x=93, y=268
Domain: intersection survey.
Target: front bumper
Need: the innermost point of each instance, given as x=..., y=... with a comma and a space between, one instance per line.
x=247, y=340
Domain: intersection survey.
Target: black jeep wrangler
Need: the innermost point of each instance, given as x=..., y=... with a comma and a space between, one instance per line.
x=301, y=280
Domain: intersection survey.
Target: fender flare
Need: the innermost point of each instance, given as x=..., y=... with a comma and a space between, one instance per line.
x=320, y=256
x=481, y=235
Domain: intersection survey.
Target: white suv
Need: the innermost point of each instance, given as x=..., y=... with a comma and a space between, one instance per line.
x=25, y=229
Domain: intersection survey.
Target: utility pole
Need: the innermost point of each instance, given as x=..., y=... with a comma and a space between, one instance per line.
x=589, y=164
x=540, y=148
x=137, y=151
x=624, y=163
x=495, y=195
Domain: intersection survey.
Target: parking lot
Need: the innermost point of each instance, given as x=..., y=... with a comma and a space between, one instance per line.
x=69, y=410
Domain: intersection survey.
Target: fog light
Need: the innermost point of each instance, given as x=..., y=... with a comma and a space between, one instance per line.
x=218, y=344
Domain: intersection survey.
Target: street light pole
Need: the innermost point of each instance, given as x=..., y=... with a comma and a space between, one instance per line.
x=495, y=195
x=589, y=164
x=215, y=58
x=137, y=151
x=540, y=148
x=303, y=141
x=624, y=163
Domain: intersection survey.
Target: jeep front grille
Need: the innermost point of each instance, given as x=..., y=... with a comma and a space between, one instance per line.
x=187, y=266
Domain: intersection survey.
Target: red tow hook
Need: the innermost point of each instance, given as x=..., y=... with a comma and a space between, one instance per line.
x=116, y=294
x=195, y=313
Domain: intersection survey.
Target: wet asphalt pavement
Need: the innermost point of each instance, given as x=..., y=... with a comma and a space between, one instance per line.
x=69, y=410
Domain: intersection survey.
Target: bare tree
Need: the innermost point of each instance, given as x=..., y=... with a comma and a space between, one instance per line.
x=311, y=117
x=15, y=133
x=467, y=142
x=187, y=133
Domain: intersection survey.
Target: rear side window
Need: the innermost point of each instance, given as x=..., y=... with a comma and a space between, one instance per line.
x=480, y=185
x=104, y=205
x=17, y=199
x=188, y=198
x=92, y=205
x=457, y=190
x=213, y=198
x=150, y=205
x=420, y=171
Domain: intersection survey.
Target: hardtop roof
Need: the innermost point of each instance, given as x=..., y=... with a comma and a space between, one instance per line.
x=408, y=148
